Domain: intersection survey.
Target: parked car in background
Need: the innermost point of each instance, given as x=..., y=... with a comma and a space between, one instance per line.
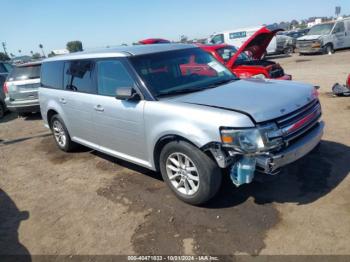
x=326, y=38
x=5, y=69
x=154, y=41
x=279, y=44
x=136, y=103
x=247, y=61
x=21, y=88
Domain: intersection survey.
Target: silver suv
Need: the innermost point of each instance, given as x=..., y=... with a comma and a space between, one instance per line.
x=153, y=106
x=21, y=88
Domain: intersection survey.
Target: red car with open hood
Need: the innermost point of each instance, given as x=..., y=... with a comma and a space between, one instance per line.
x=247, y=61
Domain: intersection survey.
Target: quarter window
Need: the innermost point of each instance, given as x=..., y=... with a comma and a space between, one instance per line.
x=111, y=75
x=52, y=75
x=339, y=28
x=79, y=76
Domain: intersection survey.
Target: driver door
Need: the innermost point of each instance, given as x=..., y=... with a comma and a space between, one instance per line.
x=119, y=123
x=339, y=35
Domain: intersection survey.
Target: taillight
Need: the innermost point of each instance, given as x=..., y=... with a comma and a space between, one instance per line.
x=5, y=87
x=315, y=92
x=348, y=82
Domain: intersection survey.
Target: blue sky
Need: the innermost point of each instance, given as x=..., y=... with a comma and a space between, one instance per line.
x=98, y=23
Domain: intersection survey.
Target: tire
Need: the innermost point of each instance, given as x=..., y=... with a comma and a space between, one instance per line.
x=2, y=110
x=288, y=51
x=328, y=49
x=61, y=135
x=201, y=179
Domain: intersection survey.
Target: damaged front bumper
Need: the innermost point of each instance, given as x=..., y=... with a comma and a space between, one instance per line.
x=273, y=161
x=242, y=167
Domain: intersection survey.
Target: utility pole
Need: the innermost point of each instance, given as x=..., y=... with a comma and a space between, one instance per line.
x=4, y=47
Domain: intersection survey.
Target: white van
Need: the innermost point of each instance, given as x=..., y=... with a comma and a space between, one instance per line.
x=278, y=45
x=326, y=37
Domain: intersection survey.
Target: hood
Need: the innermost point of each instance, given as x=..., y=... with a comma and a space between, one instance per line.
x=262, y=100
x=309, y=37
x=256, y=44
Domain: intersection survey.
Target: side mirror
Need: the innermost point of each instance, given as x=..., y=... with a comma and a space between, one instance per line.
x=127, y=93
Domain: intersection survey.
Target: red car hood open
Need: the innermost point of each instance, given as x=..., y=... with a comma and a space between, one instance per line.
x=256, y=45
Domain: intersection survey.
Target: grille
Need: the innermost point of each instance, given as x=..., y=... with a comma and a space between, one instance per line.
x=299, y=122
x=304, y=43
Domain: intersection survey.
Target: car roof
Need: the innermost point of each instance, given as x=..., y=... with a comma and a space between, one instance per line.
x=123, y=51
x=30, y=64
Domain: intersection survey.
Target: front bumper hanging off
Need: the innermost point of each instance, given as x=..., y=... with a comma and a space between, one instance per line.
x=272, y=162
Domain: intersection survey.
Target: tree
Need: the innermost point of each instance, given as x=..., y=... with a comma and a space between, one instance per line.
x=4, y=57
x=36, y=56
x=183, y=39
x=51, y=54
x=74, y=46
x=42, y=49
x=12, y=55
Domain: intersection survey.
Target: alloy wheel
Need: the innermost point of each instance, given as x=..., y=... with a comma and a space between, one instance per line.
x=59, y=133
x=182, y=173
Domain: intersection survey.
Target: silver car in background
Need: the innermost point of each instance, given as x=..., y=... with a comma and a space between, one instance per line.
x=21, y=88
x=152, y=106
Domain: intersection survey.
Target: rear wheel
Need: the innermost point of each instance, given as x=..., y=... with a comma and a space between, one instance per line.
x=192, y=175
x=61, y=135
x=2, y=110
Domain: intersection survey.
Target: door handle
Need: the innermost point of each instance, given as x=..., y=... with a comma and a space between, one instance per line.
x=63, y=101
x=99, y=108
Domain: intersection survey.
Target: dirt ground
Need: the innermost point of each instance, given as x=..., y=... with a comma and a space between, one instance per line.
x=89, y=203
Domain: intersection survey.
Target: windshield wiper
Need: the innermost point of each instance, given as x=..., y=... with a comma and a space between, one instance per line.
x=221, y=82
x=180, y=91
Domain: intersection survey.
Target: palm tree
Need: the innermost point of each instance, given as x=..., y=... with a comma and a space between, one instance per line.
x=31, y=52
x=19, y=51
x=12, y=55
x=42, y=49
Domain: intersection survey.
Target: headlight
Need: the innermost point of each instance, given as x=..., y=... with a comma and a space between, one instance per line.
x=259, y=76
x=252, y=140
x=316, y=44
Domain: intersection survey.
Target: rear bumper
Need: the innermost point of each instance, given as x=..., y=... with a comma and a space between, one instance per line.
x=270, y=163
x=23, y=106
x=285, y=77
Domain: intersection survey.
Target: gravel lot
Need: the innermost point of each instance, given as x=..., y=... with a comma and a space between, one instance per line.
x=89, y=203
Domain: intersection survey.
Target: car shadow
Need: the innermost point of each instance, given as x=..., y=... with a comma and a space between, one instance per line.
x=10, y=218
x=302, y=182
x=8, y=117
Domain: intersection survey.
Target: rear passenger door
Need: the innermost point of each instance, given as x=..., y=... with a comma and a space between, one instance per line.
x=78, y=100
x=119, y=123
x=339, y=35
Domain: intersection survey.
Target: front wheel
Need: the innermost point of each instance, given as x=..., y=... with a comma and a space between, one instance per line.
x=328, y=49
x=191, y=174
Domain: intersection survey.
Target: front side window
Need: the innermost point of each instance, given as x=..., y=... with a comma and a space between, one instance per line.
x=52, y=74
x=25, y=72
x=111, y=75
x=172, y=72
x=228, y=52
x=79, y=76
x=339, y=28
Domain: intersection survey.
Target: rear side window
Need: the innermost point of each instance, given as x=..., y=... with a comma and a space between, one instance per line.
x=25, y=72
x=236, y=35
x=111, y=75
x=79, y=76
x=52, y=75
x=5, y=68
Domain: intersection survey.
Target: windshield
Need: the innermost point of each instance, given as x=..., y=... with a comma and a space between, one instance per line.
x=25, y=72
x=180, y=71
x=229, y=51
x=323, y=29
